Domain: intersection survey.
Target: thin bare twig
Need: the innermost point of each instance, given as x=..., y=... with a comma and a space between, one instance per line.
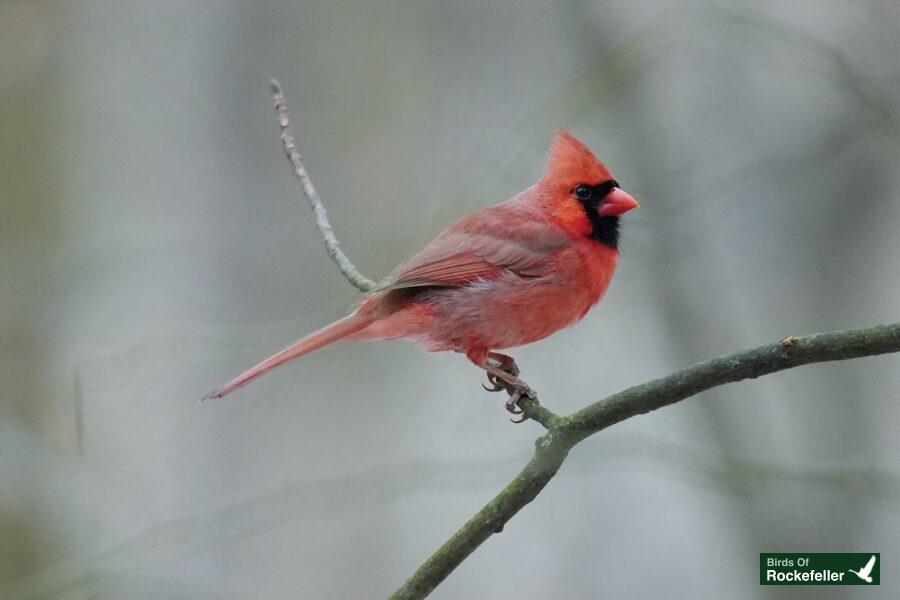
x=349, y=270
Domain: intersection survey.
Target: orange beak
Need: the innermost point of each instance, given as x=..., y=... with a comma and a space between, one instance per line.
x=616, y=203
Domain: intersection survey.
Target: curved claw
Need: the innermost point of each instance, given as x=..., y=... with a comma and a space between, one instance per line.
x=503, y=374
x=512, y=404
x=495, y=385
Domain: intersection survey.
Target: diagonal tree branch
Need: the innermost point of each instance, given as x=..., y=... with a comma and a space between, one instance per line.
x=357, y=279
x=563, y=433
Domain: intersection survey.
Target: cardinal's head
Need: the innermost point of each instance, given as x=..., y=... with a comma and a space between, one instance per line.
x=581, y=193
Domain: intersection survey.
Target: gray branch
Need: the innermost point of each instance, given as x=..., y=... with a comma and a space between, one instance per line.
x=357, y=279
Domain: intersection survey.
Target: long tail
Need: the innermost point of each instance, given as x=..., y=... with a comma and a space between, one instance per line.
x=327, y=335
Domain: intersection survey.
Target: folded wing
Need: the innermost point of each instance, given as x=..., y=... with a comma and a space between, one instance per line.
x=482, y=246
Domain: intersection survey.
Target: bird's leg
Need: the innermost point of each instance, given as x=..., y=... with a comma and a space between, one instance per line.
x=520, y=388
x=505, y=363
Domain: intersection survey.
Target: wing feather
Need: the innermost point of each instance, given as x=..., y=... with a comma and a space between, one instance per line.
x=482, y=246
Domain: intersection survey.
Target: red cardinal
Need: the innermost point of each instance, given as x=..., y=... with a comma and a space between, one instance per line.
x=505, y=276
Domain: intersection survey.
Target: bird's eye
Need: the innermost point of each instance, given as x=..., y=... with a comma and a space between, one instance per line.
x=583, y=192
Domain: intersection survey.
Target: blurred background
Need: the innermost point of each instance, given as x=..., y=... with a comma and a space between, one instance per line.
x=153, y=243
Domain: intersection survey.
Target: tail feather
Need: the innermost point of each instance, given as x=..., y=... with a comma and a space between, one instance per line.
x=323, y=337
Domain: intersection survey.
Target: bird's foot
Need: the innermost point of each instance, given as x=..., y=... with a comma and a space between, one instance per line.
x=503, y=374
x=520, y=391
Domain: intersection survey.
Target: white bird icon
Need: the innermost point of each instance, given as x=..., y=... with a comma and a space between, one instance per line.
x=865, y=572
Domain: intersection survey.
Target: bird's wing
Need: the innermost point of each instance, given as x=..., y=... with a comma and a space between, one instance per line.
x=868, y=568
x=482, y=246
